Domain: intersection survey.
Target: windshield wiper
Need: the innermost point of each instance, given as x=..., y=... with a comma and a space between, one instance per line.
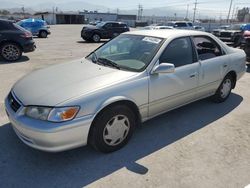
x=107, y=62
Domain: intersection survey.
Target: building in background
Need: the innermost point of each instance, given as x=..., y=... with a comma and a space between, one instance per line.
x=61, y=17
x=83, y=17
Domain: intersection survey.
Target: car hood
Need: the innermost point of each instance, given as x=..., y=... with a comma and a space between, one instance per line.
x=56, y=84
x=90, y=27
x=231, y=31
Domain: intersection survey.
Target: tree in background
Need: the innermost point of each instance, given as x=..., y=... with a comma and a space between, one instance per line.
x=242, y=13
x=4, y=12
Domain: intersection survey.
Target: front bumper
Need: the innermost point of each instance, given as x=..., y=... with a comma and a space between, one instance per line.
x=86, y=35
x=49, y=136
x=29, y=46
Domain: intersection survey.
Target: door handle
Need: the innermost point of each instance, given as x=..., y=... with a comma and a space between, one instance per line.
x=193, y=75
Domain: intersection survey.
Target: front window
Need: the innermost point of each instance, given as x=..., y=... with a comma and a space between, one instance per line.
x=127, y=52
x=179, y=52
x=101, y=24
x=234, y=27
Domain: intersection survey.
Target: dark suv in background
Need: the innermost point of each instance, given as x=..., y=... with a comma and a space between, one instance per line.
x=14, y=40
x=103, y=30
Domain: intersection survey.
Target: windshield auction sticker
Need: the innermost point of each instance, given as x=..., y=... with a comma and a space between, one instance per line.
x=152, y=40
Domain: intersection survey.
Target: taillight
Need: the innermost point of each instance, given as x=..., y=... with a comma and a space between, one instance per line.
x=26, y=35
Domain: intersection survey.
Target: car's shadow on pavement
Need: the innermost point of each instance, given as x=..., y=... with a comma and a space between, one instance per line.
x=22, y=166
x=21, y=60
x=89, y=42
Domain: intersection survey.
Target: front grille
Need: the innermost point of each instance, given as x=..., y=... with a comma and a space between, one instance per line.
x=14, y=104
x=225, y=34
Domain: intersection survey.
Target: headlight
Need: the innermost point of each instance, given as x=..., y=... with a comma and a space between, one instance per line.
x=36, y=112
x=52, y=114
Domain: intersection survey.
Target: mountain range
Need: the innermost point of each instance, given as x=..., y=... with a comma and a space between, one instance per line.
x=83, y=5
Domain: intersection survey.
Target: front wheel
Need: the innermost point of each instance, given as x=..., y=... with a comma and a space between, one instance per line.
x=224, y=91
x=96, y=38
x=112, y=129
x=10, y=52
x=43, y=34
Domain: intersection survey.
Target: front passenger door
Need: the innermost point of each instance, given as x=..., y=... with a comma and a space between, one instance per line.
x=169, y=90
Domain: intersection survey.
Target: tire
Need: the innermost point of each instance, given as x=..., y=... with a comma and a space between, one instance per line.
x=224, y=91
x=112, y=129
x=43, y=34
x=96, y=38
x=10, y=51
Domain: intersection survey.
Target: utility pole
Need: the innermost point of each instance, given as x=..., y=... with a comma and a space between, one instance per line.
x=195, y=8
x=229, y=11
x=23, y=11
x=117, y=11
x=140, y=10
x=187, y=12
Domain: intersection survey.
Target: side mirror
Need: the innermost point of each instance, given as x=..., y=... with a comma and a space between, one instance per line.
x=164, y=68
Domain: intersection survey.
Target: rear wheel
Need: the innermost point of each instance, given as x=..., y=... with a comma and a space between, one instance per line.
x=224, y=90
x=112, y=129
x=10, y=52
x=43, y=34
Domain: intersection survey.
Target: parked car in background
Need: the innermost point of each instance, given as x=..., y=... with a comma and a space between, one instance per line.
x=181, y=25
x=94, y=22
x=103, y=30
x=37, y=27
x=199, y=28
x=99, y=100
x=163, y=27
x=231, y=34
x=217, y=31
x=14, y=40
x=152, y=27
x=246, y=44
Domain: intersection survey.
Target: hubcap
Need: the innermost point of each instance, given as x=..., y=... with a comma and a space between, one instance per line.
x=43, y=34
x=10, y=52
x=116, y=130
x=226, y=88
x=96, y=38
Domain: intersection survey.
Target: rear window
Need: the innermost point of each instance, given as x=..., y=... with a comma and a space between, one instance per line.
x=181, y=24
x=19, y=27
x=5, y=25
x=123, y=25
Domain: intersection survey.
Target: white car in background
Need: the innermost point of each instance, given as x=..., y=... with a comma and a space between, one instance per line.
x=199, y=28
x=100, y=99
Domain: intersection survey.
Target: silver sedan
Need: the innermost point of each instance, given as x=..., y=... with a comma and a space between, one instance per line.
x=99, y=100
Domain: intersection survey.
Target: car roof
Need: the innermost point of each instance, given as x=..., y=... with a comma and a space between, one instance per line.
x=167, y=33
x=32, y=20
x=114, y=22
x=3, y=20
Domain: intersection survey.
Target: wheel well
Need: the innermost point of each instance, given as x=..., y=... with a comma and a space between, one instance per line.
x=130, y=105
x=127, y=103
x=234, y=76
x=43, y=30
x=9, y=41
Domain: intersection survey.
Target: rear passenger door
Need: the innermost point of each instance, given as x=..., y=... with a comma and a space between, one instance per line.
x=213, y=64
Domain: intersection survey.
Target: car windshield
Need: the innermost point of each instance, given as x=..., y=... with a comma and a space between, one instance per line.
x=234, y=27
x=127, y=52
x=100, y=24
